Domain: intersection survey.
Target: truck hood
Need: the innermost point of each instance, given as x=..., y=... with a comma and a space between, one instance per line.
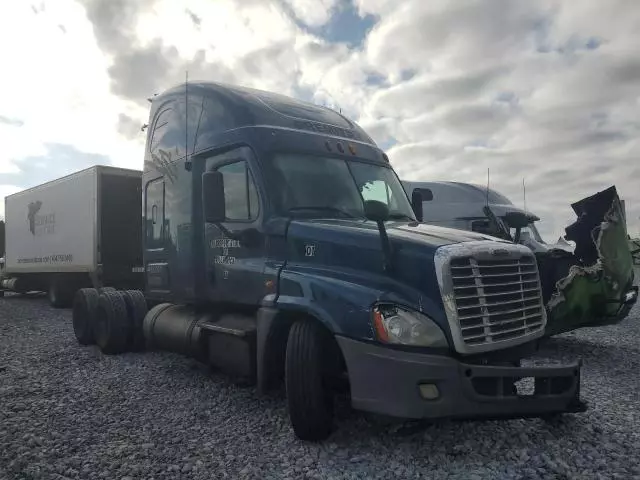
x=398, y=231
x=351, y=250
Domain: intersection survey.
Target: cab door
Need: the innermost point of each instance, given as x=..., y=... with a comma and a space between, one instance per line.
x=155, y=255
x=235, y=249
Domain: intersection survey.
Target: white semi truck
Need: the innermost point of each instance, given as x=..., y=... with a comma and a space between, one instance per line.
x=462, y=205
x=76, y=231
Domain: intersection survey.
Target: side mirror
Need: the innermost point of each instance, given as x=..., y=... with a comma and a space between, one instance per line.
x=376, y=211
x=416, y=203
x=516, y=219
x=213, y=205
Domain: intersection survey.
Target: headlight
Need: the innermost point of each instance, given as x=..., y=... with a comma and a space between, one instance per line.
x=398, y=326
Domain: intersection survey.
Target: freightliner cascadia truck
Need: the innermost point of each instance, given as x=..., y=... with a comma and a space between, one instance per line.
x=280, y=246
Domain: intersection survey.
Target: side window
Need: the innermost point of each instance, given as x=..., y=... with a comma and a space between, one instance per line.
x=240, y=194
x=425, y=193
x=154, y=215
x=159, y=129
x=481, y=226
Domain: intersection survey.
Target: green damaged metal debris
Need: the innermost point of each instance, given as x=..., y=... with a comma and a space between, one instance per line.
x=599, y=289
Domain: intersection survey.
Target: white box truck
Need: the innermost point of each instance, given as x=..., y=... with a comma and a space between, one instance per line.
x=76, y=231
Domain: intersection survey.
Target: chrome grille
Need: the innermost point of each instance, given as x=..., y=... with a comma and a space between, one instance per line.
x=496, y=300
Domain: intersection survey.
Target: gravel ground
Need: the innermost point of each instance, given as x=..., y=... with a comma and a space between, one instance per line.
x=70, y=412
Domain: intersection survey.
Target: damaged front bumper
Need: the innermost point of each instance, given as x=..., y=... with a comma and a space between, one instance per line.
x=599, y=288
x=413, y=385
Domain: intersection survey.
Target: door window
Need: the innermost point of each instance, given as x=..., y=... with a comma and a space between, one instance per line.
x=154, y=215
x=240, y=194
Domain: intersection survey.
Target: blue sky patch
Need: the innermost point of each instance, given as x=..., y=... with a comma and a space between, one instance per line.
x=345, y=26
x=60, y=160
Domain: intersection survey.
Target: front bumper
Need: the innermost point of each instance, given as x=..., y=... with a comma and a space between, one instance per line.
x=387, y=382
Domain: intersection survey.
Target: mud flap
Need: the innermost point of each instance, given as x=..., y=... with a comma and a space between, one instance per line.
x=600, y=291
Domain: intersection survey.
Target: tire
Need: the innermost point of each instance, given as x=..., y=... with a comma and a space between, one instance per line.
x=107, y=289
x=85, y=307
x=60, y=296
x=112, y=323
x=309, y=399
x=136, y=310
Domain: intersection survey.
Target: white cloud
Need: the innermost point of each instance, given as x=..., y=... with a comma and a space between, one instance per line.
x=56, y=84
x=314, y=13
x=546, y=90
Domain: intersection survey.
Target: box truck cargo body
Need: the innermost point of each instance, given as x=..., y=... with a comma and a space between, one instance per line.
x=80, y=230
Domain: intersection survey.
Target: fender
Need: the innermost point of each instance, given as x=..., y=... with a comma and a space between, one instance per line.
x=340, y=301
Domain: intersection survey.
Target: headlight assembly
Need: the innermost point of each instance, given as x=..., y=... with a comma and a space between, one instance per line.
x=395, y=325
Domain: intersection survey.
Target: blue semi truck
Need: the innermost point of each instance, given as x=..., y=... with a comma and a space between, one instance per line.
x=279, y=245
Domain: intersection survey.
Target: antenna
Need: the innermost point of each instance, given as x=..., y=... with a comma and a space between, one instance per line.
x=186, y=116
x=524, y=195
x=487, y=187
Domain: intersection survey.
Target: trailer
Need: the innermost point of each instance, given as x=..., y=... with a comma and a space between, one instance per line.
x=81, y=230
x=280, y=246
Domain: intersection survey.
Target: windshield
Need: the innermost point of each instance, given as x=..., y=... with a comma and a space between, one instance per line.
x=530, y=230
x=333, y=187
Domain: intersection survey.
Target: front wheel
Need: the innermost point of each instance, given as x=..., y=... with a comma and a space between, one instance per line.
x=309, y=397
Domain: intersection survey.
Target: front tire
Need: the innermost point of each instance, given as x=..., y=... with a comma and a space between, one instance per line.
x=309, y=398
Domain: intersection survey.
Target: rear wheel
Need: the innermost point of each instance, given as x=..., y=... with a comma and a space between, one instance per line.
x=309, y=396
x=85, y=306
x=112, y=323
x=136, y=310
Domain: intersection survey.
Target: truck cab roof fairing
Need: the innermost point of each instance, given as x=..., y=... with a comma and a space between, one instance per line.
x=216, y=110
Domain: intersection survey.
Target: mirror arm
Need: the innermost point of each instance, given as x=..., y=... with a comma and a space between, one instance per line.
x=516, y=237
x=387, y=260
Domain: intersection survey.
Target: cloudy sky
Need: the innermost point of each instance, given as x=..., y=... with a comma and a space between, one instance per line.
x=546, y=90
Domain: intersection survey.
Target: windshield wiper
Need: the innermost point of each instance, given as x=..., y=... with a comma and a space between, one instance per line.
x=322, y=208
x=401, y=216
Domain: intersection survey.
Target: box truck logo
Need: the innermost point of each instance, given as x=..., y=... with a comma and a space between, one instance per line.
x=40, y=224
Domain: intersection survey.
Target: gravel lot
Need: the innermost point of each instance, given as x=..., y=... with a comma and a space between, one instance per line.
x=70, y=412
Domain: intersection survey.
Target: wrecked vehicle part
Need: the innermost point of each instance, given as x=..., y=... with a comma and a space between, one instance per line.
x=598, y=289
x=593, y=285
x=634, y=246
x=578, y=302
